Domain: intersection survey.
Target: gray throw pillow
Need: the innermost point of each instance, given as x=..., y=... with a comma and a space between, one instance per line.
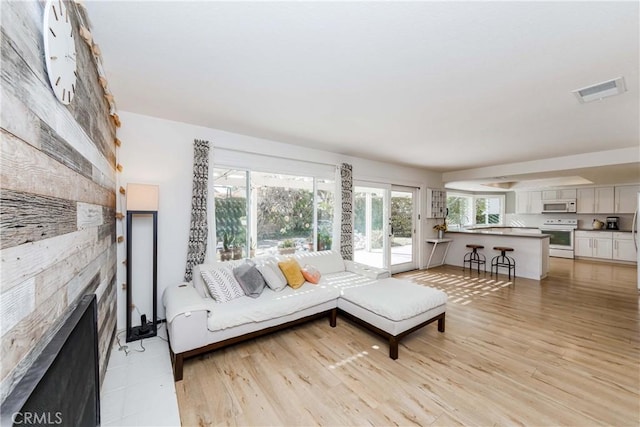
x=250, y=279
x=273, y=275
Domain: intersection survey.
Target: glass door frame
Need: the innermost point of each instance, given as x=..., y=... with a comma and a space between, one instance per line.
x=412, y=264
x=387, y=190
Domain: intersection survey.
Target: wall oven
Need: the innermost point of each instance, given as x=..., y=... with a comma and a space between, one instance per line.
x=559, y=206
x=561, y=236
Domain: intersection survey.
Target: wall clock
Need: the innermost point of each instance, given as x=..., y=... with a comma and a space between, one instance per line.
x=59, y=50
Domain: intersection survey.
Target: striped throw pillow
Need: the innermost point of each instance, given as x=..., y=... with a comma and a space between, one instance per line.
x=222, y=285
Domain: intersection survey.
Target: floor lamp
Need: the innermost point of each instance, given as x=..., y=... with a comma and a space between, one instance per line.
x=142, y=199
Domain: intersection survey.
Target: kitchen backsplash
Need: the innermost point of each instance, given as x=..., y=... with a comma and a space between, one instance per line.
x=584, y=220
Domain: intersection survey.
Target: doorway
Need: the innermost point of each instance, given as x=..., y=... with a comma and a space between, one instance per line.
x=385, y=226
x=402, y=223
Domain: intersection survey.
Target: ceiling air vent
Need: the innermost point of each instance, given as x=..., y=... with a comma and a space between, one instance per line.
x=601, y=90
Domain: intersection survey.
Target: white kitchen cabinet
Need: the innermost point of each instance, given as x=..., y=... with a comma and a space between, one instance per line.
x=563, y=194
x=529, y=202
x=626, y=198
x=593, y=244
x=623, y=247
x=595, y=200
x=582, y=245
x=603, y=247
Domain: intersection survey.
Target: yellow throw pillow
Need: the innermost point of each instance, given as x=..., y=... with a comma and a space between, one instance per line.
x=292, y=272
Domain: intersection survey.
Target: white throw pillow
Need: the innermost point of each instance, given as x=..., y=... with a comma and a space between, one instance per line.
x=222, y=285
x=272, y=275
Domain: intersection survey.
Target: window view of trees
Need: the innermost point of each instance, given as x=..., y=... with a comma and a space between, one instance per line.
x=467, y=210
x=368, y=229
x=279, y=216
x=284, y=211
x=401, y=216
x=488, y=210
x=326, y=200
x=459, y=211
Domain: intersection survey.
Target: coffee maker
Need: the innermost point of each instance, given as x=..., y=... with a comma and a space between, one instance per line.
x=612, y=222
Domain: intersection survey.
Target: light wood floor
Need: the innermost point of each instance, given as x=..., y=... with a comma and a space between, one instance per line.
x=564, y=351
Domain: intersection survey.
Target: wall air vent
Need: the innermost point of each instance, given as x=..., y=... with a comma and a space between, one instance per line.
x=601, y=90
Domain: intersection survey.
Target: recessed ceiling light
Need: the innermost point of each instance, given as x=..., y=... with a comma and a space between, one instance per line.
x=600, y=90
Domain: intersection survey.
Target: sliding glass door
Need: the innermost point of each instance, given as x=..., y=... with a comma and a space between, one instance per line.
x=402, y=221
x=370, y=226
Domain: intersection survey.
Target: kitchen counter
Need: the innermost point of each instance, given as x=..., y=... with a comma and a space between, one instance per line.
x=531, y=251
x=603, y=230
x=504, y=231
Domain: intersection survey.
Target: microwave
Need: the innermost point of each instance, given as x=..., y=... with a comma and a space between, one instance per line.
x=559, y=206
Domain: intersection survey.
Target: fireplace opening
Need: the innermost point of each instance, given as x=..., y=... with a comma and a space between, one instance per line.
x=62, y=386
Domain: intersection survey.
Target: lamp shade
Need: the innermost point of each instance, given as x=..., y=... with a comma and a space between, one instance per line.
x=142, y=197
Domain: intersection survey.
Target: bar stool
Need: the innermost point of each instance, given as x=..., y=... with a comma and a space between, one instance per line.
x=474, y=257
x=503, y=260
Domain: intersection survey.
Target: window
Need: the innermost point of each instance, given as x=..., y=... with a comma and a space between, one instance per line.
x=279, y=214
x=284, y=211
x=230, y=196
x=467, y=210
x=488, y=210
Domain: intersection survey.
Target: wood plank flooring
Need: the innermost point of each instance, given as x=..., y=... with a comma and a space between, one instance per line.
x=563, y=351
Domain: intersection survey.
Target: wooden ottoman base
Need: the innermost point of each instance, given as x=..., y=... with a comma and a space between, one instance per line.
x=393, y=308
x=394, y=340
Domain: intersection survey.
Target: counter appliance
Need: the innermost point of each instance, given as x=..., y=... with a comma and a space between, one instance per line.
x=561, y=232
x=559, y=206
x=612, y=222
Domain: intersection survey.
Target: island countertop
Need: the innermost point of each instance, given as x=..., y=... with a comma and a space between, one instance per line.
x=531, y=250
x=507, y=231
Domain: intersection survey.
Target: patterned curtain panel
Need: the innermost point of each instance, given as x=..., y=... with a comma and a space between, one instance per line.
x=346, y=226
x=198, y=231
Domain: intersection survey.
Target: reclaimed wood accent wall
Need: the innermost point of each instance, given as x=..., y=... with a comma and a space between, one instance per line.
x=57, y=195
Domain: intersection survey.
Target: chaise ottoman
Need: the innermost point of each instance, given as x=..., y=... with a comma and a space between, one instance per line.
x=393, y=308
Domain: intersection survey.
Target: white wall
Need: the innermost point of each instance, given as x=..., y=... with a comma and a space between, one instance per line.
x=157, y=151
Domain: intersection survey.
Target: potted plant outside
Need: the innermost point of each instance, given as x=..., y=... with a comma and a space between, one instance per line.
x=288, y=246
x=226, y=253
x=324, y=241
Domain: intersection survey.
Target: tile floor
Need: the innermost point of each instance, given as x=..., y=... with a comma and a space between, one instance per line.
x=138, y=388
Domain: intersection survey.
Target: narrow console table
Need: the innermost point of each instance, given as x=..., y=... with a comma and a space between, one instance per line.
x=439, y=249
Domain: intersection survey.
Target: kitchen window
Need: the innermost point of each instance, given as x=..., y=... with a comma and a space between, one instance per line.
x=468, y=210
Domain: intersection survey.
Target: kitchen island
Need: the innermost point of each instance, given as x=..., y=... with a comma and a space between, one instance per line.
x=530, y=249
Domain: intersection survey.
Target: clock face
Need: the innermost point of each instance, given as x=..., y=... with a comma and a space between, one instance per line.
x=60, y=50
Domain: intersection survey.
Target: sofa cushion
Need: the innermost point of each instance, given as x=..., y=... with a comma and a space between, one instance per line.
x=270, y=305
x=311, y=274
x=249, y=278
x=291, y=270
x=346, y=279
x=222, y=285
x=272, y=274
x=326, y=262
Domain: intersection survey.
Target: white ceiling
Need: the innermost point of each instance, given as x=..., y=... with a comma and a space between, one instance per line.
x=448, y=86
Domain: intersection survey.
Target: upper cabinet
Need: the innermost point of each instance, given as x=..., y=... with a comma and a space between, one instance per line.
x=595, y=200
x=621, y=199
x=626, y=199
x=529, y=202
x=436, y=203
x=563, y=194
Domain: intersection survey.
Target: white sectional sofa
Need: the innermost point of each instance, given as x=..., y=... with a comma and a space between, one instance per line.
x=196, y=323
